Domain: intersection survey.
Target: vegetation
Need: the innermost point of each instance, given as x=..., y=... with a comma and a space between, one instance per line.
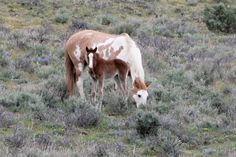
x=188, y=50
x=220, y=18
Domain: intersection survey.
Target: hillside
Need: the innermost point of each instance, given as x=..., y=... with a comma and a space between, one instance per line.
x=191, y=105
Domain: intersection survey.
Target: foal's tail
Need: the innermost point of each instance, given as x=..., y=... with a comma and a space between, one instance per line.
x=70, y=75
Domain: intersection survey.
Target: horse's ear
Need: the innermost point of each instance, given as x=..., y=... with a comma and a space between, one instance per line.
x=87, y=49
x=136, y=83
x=94, y=51
x=148, y=84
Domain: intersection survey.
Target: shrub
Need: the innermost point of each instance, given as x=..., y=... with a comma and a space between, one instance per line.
x=22, y=101
x=222, y=1
x=15, y=142
x=20, y=39
x=129, y=28
x=4, y=58
x=219, y=18
x=30, y=3
x=192, y=2
x=25, y=63
x=105, y=19
x=169, y=143
x=6, y=119
x=115, y=103
x=53, y=91
x=78, y=25
x=45, y=72
x=10, y=73
x=62, y=16
x=41, y=34
x=80, y=113
x=147, y=123
x=217, y=101
x=172, y=28
x=44, y=140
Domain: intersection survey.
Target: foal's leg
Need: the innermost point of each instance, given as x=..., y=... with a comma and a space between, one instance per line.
x=117, y=80
x=79, y=83
x=123, y=81
x=94, y=90
x=100, y=90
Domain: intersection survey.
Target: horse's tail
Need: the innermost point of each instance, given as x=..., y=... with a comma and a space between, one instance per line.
x=70, y=75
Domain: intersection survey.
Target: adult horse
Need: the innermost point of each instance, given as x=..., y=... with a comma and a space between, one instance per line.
x=109, y=46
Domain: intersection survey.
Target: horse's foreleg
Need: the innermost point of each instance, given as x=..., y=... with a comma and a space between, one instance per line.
x=94, y=90
x=100, y=88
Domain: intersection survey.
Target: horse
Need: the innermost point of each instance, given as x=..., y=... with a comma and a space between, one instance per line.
x=110, y=46
x=100, y=69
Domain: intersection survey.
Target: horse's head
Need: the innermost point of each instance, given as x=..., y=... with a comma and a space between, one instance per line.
x=139, y=92
x=91, y=54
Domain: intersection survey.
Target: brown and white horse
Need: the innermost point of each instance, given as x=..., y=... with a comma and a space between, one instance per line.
x=109, y=46
x=100, y=69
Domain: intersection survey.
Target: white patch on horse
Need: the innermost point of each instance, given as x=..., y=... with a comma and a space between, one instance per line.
x=90, y=60
x=132, y=55
x=140, y=97
x=118, y=43
x=77, y=52
x=81, y=67
x=107, y=42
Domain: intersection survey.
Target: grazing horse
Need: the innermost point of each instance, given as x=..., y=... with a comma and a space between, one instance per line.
x=109, y=46
x=100, y=69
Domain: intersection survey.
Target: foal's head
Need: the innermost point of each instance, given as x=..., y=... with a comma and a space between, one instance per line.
x=139, y=92
x=91, y=53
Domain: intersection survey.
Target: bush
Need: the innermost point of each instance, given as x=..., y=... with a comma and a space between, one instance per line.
x=45, y=72
x=25, y=63
x=129, y=28
x=165, y=143
x=222, y=1
x=192, y=2
x=6, y=119
x=78, y=25
x=217, y=101
x=169, y=143
x=172, y=28
x=53, y=91
x=62, y=16
x=44, y=140
x=22, y=101
x=20, y=39
x=114, y=103
x=80, y=113
x=105, y=19
x=15, y=142
x=4, y=58
x=147, y=123
x=219, y=18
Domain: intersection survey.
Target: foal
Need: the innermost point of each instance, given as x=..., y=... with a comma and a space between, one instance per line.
x=101, y=69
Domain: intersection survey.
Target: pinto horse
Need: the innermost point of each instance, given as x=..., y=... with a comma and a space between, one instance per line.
x=100, y=69
x=110, y=46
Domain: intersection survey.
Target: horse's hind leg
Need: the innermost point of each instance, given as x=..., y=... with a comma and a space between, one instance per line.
x=123, y=82
x=79, y=82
